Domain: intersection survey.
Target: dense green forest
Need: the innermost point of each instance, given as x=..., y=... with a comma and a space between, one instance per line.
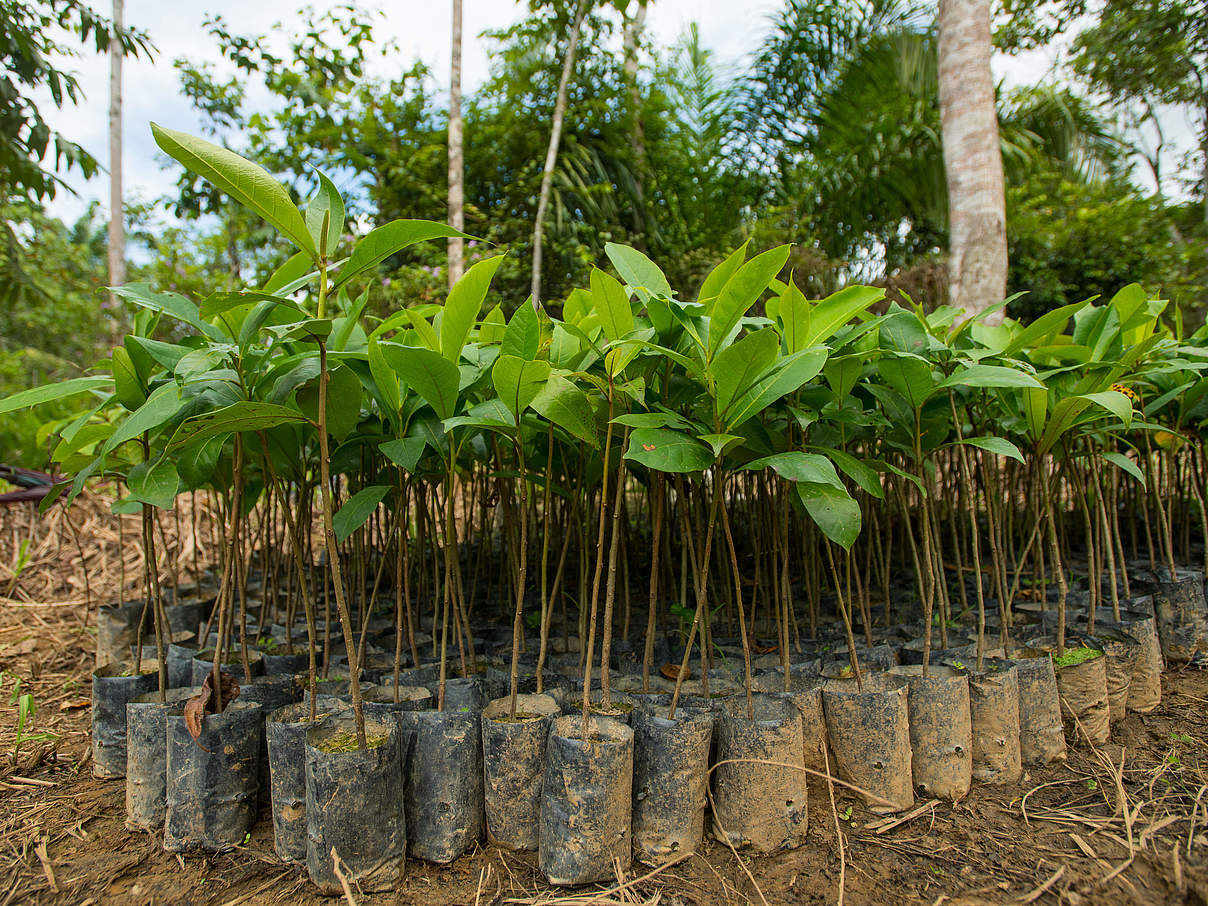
x=828, y=138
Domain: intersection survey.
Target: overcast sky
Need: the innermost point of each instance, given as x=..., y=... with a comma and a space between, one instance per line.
x=421, y=28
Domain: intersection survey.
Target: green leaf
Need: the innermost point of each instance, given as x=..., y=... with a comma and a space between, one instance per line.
x=833, y=510
x=51, y=392
x=518, y=382
x=220, y=303
x=797, y=466
x=831, y=313
x=739, y=366
x=357, y=509
x=325, y=216
x=154, y=483
x=1123, y=462
x=173, y=304
x=1114, y=402
x=244, y=181
x=160, y=407
x=999, y=446
x=404, y=452
x=722, y=273
x=668, y=451
x=793, y=313
x=385, y=378
x=864, y=475
x=719, y=443
x=294, y=269
x=522, y=336
x=390, y=239
x=428, y=373
x=166, y=354
x=129, y=390
x=909, y=376
x=788, y=376
x=637, y=270
x=741, y=292
x=244, y=415
x=611, y=304
x=343, y=401
x=1049, y=323
x=568, y=407
x=463, y=305
x=990, y=376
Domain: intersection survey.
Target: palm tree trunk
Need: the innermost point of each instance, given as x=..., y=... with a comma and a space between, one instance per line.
x=972, y=157
x=456, y=157
x=117, y=227
x=555, y=139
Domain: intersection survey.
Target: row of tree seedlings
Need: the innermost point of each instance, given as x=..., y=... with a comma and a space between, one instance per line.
x=638, y=463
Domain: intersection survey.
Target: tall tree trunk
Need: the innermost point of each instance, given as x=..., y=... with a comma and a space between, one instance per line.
x=457, y=167
x=972, y=157
x=637, y=135
x=555, y=139
x=117, y=226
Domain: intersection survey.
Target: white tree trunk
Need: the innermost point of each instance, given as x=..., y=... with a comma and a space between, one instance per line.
x=117, y=226
x=457, y=218
x=972, y=158
x=551, y=154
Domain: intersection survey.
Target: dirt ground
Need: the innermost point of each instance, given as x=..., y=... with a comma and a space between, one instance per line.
x=1125, y=824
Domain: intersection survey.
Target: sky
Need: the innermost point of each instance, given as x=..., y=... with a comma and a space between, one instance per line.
x=422, y=30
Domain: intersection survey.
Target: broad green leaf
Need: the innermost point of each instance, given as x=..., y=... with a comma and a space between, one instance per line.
x=244, y=181
x=637, y=270
x=668, y=451
x=831, y=313
x=195, y=463
x=788, y=376
x=660, y=419
x=999, y=446
x=797, y=466
x=463, y=305
x=1049, y=323
x=154, y=483
x=909, y=376
x=343, y=404
x=294, y=269
x=423, y=327
x=864, y=475
x=325, y=216
x=793, y=313
x=722, y=273
x=163, y=403
x=1036, y=410
x=494, y=326
x=173, y=304
x=611, y=304
x=720, y=443
x=492, y=415
x=219, y=303
x=1114, y=402
x=166, y=354
x=428, y=373
x=739, y=366
x=990, y=376
x=404, y=452
x=357, y=509
x=390, y=239
x=244, y=415
x=568, y=407
x=1123, y=462
x=385, y=378
x=833, y=510
x=518, y=382
x=522, y=337
x=129, y=390
x=741, y=292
